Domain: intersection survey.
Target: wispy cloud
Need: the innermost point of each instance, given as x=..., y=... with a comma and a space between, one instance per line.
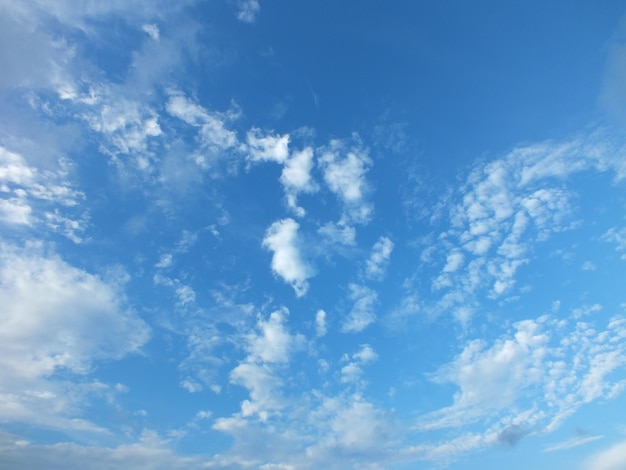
x=344, y=169
x=363, y=312
x=248, y=10
x=573, y=442
x=377, y=262
x=613, y=458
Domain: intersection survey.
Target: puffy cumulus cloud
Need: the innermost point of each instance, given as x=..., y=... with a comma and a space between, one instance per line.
x=269, y=349
x=613, y=458
x=381, y=252
x=296, y=175
x=351, y=372
x=491, y=378
x=282, y=239
x=351, y=426
x=248, y=10
x=272, y=343
x=272, y=148
x=344, y=171
x=363, y=310
x=42, y=293
x=56, y=318
x=296, y=178
x=530, y=378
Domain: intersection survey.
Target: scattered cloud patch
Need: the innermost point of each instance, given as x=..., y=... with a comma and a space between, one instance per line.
x=363, y=310
x=248, y=10
x=282, y=239
x=321, y=327
x=344, y=171
x=269, y=148
x=378, y=260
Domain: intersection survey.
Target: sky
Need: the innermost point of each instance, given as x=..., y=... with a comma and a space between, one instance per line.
x=271, y=234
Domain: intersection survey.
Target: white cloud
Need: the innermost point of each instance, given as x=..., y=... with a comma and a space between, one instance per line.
x=362, y=313
x=321, y=328
x=573, y=442
x=185, y=294
x=351, y=372
x=588, y=266
x=31, y=195
x=344, y=173
x=617, y=237
x=613, y=458
x=378, y=260
x=532, y=377
x=248, y=10
x=56, y=317
x=151, y=30
x=491, y=379
x=502, y=211
x=213, y=135
x=338, y=234
x=454, y=261
x=296, y=178
x=282, y=239
x=273, y=343
x=269, y=347
x=272, y=148
x=127, y=125
x=145, y=453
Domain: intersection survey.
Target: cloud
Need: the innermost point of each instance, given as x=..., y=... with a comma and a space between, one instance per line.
x=338, y=233
x=613, y=458
x=362, y=313
x=248, y=10
x=269, y=348
x=511, y=435
x=56, y=319
x=344, y=172
x=142, y=454
x=214, y=137
x=151, y=30
x=269, y=148
x=617, y=237
x=351, y=373
x=573, y=442
x=296, y=178
x=33, y=196
x=282, y=239
x=321, y=328
x=491, y=378
x=532, y=377
x=376, y=264
x=273, y=343
x=504, y=209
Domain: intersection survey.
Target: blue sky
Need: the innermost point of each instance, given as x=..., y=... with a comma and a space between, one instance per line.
x=312, y=234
